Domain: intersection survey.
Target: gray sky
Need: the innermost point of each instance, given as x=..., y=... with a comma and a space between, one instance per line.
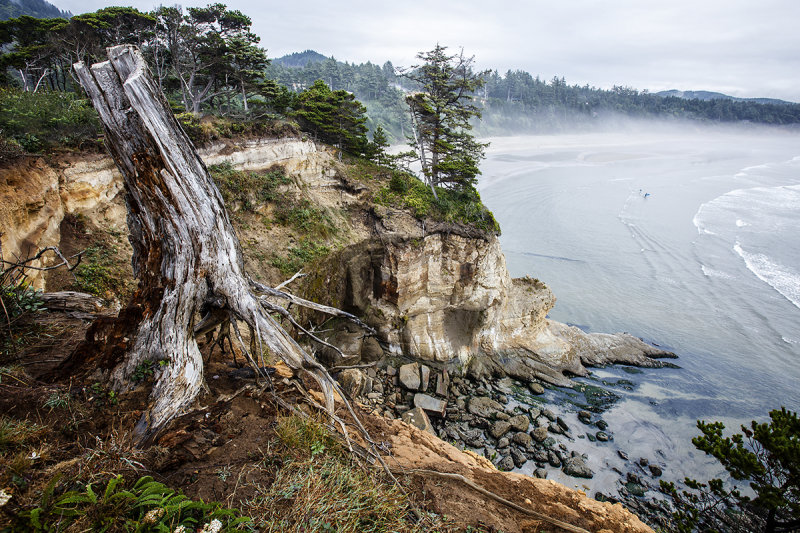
x=748, y=48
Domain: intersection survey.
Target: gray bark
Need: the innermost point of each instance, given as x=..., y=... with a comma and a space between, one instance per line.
x=186, y=253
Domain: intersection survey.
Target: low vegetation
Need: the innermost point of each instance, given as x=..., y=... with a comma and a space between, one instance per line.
x=462, y=206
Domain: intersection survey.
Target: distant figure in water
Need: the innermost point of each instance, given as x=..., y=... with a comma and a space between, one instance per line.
x=645, y=195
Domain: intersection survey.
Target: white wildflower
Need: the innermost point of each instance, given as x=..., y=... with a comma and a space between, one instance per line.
x=153, y=516
x=212, y=527
x=4, y=497
x=180, y=529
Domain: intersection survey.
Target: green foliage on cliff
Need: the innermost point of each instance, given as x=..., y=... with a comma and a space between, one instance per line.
x=247, y=189
x=766, y=456
x=460, y=206
x=47, y=119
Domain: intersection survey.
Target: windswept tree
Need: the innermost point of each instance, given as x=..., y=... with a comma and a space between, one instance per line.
x=440, y=114
x=334, y=117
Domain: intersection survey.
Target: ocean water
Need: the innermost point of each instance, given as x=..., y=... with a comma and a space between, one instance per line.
x=687, y=237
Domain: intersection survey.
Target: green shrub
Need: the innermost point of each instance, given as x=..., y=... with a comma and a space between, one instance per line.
x=305, y=217
x=42, y=120
x=248, y=189
x=147, y=506
x=298, y=256
x=97, y=273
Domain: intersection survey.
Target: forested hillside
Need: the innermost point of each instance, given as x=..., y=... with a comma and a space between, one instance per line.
x=34, y=8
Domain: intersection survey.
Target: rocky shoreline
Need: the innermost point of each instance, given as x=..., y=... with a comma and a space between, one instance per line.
x=508, y=422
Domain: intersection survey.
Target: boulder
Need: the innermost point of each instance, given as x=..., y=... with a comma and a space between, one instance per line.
x=425, y=377
x=576, y=467
x=655, y=470
x=585, y=417
x=442, y=383
x=506, y=464
x=518, y=457
x=417, y=418
x=430, y=404
x=539, y=434
x=484, y=407
x=520, y=422
x=371, y=350
x=535, y=388
x=409, y=376
x=540, y=473
x=499, y=428
x=352, y=381
x=521, y=438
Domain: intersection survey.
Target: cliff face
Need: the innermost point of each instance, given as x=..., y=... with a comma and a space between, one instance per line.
x=435, y=292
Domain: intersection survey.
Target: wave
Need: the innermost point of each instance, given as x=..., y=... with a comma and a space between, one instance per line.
x=712, y=273
x=781, y=278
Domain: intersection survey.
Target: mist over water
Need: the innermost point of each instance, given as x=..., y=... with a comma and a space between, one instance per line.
x=687, y=237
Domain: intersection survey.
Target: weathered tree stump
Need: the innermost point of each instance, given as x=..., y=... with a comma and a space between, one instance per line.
x=185, y=252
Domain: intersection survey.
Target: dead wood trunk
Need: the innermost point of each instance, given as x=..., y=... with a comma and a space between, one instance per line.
x=185, y=252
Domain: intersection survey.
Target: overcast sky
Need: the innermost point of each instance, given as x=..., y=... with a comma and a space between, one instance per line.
x=748, y=48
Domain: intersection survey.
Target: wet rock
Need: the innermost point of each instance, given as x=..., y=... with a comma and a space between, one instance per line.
x=479, y=422
x=655, y=470
x=502, y=398
x=576, y=467
x=499, y=428
x=518, y=457
x=585, y=417
x=563, y=425
x=535, y=413
x=502, y=416
x=417, y=418
x=503, y=443
x=602, y=436
x=602, y=425
x=473, y=438
x=506, y=464
x=553, y=458
x=591, y=437
x=535, y=388
x=520, y=422
x=555, y=428
x=643, y=462
x=635, y=489
x=549, y=442
x=540, y=456
x=521, y=438
x=409, y=376
x=430, y=404
x=540, y=473
x=622, y=455
x=425, y=377
x=539, y=434
x=549, y=415
x=484, y=407
x=352, y=381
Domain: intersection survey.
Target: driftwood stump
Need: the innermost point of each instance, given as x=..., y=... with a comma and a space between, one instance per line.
x=186, y=255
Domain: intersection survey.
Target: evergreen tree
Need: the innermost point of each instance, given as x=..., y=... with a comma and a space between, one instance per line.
x=440, y=114
x=334, y=117
x=766, y=455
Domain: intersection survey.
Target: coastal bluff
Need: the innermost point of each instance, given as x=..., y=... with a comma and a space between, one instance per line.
x=435, y=292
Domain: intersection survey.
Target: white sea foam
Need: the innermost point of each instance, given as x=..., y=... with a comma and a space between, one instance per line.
x=712, y=273
x=781, y=278
x=741, y=223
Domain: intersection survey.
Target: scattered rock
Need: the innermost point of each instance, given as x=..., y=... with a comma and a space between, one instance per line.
x=563, y=425
x=520, y=422
x=352, y=381
x=549, y=414
x=585, y=417
x=425, y=377
x=643, y=462
x=391, y=371
x=622, y=455
x=371, y=350
x=555, y=428
x=553, y=458
x=535, y=388
x=535, y=413
x=502, y=416
x=521, y=438
x=484, y=407
x=442, y=383
x=503, y=443
x=602, y=425
x=602, y=436
x=655, y=470
x=635, y=489
x=539, y=434
x=576, y=467
x=518, y=457
x=541, y=473
x=506, y=464
x=409, y=376
x=430, y=404
x=499, y=428
x=417, y=418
